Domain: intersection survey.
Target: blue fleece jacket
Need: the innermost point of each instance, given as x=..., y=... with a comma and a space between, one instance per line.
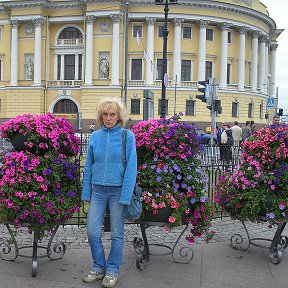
x=104, y=163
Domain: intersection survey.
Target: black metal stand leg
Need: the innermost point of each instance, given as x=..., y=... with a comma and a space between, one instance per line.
x=186, y=252
x=278, y=245
x=141, y=246
x=34, y=258
x=6, y=247
x=59, y=248
x=143, y=258
x=237, y=240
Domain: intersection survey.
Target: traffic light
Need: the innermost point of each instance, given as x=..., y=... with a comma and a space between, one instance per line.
x=266, y=116
x=280, y=113
x=217, y=106
x=205, y=90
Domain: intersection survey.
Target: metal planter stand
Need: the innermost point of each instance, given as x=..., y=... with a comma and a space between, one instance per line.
x=278, y=244
x=6, y=250
x=141, y=246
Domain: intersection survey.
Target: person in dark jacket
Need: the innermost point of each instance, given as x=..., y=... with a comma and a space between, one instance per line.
x=227, y=153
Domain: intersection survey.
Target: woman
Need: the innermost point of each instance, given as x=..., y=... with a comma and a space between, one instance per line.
x=106, y=183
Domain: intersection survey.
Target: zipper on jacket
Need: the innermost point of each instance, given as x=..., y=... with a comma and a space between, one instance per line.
x=107, y=139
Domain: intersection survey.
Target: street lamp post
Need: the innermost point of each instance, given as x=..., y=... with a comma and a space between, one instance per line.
x=164, y=66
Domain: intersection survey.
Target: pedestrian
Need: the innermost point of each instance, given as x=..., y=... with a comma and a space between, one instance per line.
x=237, y=134
x=227, y=148
x=246, y=131
x=107, y=184
x=222, y=142
x=253, y=126
x=276, y=120
x=91, y=127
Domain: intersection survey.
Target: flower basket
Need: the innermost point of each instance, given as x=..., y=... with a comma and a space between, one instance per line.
x=259, y=184
x=168, y=152
x=18, y=142
x=40, y=183
x=162, y=215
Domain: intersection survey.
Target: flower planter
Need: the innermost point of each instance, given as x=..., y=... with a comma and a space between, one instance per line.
x=162, y=215
x=17, y=141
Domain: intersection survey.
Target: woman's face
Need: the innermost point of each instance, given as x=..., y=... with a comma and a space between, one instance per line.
x=110, y=117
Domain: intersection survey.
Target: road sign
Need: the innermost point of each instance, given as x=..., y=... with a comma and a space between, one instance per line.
x=270, y=102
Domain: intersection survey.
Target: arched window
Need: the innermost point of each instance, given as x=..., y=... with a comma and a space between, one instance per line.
x=71, y=33
x=69, y=49
x=65, y=106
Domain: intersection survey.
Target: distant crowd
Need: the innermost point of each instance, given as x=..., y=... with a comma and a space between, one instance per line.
x=228, y=136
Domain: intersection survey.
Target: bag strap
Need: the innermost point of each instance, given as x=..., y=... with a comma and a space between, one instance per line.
x=124, y=140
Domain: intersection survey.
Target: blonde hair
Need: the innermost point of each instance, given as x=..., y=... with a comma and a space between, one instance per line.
x=105, y=104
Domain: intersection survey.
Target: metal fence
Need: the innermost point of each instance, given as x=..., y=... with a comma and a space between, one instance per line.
x=212, y=164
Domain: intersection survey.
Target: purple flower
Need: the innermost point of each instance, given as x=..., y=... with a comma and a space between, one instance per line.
x=203, y=199
x=158, y=179
x=189, y=177
x=281, y=206
x=192, y=200
x=71, y=193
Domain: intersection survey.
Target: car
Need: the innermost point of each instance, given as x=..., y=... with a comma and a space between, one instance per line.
x=205, y=138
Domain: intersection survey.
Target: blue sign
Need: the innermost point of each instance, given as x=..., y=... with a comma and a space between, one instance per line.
x=270, y=102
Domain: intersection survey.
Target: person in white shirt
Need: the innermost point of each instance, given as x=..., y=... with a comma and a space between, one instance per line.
x=237, y=134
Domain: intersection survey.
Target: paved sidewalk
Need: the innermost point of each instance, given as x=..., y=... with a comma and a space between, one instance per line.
x=215, y=264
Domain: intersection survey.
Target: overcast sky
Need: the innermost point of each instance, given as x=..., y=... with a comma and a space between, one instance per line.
x=278, y=11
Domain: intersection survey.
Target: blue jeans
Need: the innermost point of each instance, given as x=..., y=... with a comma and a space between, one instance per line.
x=100, y=197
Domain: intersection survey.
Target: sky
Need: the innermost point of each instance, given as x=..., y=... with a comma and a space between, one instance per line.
x=278, y=10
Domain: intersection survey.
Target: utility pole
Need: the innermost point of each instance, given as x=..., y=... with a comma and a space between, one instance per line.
x=126, y=54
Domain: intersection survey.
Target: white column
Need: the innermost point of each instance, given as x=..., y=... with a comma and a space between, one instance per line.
x=62, y=69
x=262, y=76
x=55, y=66
x=272, y=89
x=177, y=49
x=76, y=66
x=241, y=58
x=38, y=51
x=115, y=49
x=14, y=53
x=202, y=50
x=224, y=54
x=254, y=60
x=89, y=50
x=267, y=44
x=150, y=50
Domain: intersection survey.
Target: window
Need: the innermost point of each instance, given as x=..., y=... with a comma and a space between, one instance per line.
x=208, y=69
x=209, y=34
x=159, y=71
x=250, y=110
x=235, y=106
x=186, y=70
x=59, y=67
x=190, y=107
x=69, y=67
x=261, y=111
x=159, y=107
x=80, y=67
x=229, y=37
x=160, y=31
x=135, y=106
x=137, y=28
x=187, y=32
x=228, y=73
x=71, y=33
x=66, y=106
x=136, y=69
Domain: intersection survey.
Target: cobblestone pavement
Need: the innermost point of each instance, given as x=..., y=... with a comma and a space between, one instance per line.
x=75, y=237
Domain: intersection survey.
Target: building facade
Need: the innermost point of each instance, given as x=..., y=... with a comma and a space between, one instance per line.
x=63, y=56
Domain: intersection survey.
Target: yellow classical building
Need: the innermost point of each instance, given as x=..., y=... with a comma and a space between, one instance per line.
x=63, y=56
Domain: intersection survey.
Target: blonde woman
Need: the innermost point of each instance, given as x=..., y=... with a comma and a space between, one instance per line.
x=106, y=182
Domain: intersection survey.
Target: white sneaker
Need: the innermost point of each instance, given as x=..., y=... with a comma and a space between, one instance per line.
x=92, y=276
x=109, y=280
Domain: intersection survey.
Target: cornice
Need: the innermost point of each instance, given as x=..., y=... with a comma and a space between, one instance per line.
x=26, y=4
